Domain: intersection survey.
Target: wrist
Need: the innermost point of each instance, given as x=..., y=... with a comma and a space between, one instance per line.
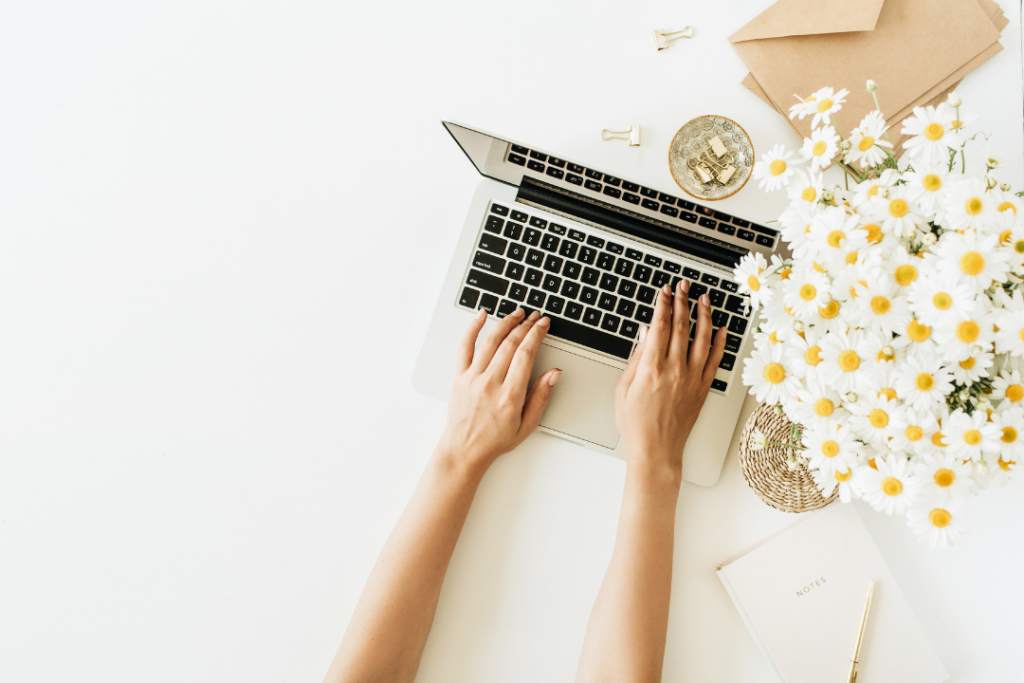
x=457, y=467
x=655, y=468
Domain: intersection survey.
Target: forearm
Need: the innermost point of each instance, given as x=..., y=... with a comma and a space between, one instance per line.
x=388, y=631
x=625, y=638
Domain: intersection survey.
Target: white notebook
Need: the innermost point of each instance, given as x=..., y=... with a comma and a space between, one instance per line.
x=801, y=594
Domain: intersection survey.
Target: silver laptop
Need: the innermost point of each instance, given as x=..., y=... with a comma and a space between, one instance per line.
x=590, y=250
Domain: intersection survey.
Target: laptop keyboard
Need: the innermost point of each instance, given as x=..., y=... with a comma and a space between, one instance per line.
x=596, y=291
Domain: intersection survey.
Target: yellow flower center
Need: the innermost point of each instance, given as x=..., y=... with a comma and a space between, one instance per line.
x=1014, y=392
x=844, y=476
x=829, y=449
x=819, y=148
x=939, y=440
x=823, y=407
x=898, y=208
x=873, y=190
x=888, y=393
x=933, y=131
x=967, y=331
x=866, y=143
x=944, y=477
x=809, y=194
x=967, y=364
x=774, y=339
x=808, y=291
x=1004, y=237
x=918, y=332
x=1005, y=466
x=914, y=433
x=940, y=518
x=829, y=310
x=874, y=232
x=1007, y=206
x=824, y=105
x=942, y=301
x=774, y=373
x=1009, y=435
x=785, y=273
x=931, y=182
x=924, y=381
x=818, y=267
x=972, y=437
x=1018, y=246
x=812, y=356
x=974, y=206
x=972, y=263
x=905, y=274
x=777, y=167
x=880, y=305
x=878, y=418
x=849, y=361
x=872, y=465
x=891, y=486
x=851, y=258
x=753, y=283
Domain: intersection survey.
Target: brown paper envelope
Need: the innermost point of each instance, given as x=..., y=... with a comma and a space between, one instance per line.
x=911, y=48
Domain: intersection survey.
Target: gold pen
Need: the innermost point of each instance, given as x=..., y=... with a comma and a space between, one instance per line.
x=855, y=657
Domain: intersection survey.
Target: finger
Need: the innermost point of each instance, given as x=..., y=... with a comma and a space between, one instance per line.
x=485, y=350
x=521, y=367
x=503, y=356
x=680, y=322
x=630, y=372
x=702, y=337
x=715, y=357
x=660, y=332
x=537, y=401
x=467, y=346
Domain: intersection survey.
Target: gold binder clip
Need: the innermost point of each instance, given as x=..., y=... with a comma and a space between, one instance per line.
x=662, y=39
x=715, y=163
x=632, y=135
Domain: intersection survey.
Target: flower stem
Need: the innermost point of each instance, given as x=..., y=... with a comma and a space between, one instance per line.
x=836, y=126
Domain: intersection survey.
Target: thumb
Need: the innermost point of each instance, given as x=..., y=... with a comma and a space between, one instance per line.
x=630, y=372
x=537, y=401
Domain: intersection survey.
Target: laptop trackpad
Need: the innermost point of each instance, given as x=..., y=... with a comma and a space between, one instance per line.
x=583, y=402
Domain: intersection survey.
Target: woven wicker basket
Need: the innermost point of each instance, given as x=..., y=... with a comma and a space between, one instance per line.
x=766, y=471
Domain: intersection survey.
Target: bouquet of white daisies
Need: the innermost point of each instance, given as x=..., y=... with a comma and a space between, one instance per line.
x=895, y=333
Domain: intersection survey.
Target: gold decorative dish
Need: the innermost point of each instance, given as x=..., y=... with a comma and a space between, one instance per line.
x=711, y=157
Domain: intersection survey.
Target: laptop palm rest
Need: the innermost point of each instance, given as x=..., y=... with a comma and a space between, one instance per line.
x=583, y=402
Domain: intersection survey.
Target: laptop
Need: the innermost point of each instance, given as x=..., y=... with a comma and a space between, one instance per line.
x=590, y=250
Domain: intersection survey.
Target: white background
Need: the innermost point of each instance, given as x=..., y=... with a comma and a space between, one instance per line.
x=223, y=227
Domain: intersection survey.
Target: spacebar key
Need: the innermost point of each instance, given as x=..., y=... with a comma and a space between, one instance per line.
x=590, y=337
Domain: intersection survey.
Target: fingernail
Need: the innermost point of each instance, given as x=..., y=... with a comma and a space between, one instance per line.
x=518, y=312
x=667, y=290
x=643, y=334
x=554, y=378
x=704, y=299
x=481, y=313
x=544, y=322
x=534, y=315
x=686, y=286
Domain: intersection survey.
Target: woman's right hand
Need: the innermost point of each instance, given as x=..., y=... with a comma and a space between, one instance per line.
x=661, y=392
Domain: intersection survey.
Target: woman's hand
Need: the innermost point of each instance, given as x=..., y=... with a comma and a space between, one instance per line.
x=490, y=411
x=664, y=386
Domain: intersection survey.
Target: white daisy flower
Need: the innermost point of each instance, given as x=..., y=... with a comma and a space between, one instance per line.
x=1008, y=386
x=889, y=486
x=931, y=135
x=1010, y=423
x=879, y=379
x=971, y=258
x=766, y=374
x=924, y=188
x=821, y=148
x=796, y=228
x=867, y=143
x=817, y=402
x=968, y=337
x=943, y=475
x=804, y=107
x=874, y=417
x=828, y=319
x=971, y=369
x=1010, y=320
x=971, y=437
x=918, y=428
x=870, y=188
x=881, y=350
x=805, y=187
x=827, y=102
x=903, y=267
x=752, y=278
x=804, y=355
x=967, y=205
x=939, y=525
x=832, y=230
x=830, y=447
x=913, y=337
x=773, y=170
x=1007, y=205
x=878, y=305
x=805, y=291
x=939, y=302
x=897, y=212
x=921, y=381
x=842, y=357
x=847, y=483
x=776, y=316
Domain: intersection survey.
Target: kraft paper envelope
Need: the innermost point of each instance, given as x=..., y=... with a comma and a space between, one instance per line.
x=916, y=50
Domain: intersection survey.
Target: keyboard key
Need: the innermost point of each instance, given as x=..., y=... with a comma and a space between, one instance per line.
x=605, y=261
x=667, y=198
x=672, y=267
x=575, y=168
x=737, y=305
x=614, y=248
x=535, y=257
x=570, y=289
x=592, y=316
x=623, y=267
x=591, y=185
x=726, y=229
x=732, y=343
x=506, y=307
x=613, y=192
x=513, y=231
x=652, y=260
x=520, y=216
x=520, y=149
x=535, y=166
x=644, y=314
x=514, y=271
x=718, y=385
x=539, y=156
x=516, y=159
x=486, y=281
x=572, y=270
x=632, y=187
x=556, y=173
x=764, y=240
x=531, y=237
x=516, y=251
x=627, y=288
x=691, y=274
x=538, y=223
x=719, y=318
x=688, y=217
x=499, y=209
x=550, y=243
x=728, y=360
x=696, y=289
x=717, y=297
x=576, y=235
x=590, y=337
x=689, y=206
x=645, y=295
x=675, y=282
x=610, y=323
x=518, y=291
x=669, y=210
x=493, y=244
x=745, y=235
x=590, y=276
x=596, y=175
x=574, y=310
x=536, y=298
x=737, y=325
x=568, y=249
x=552, y=283
x=574, y=179
x=557, y=229
x=554, y=305
x=705, y=210
x=634, y=254
x=648, y=192
x=625, y=308
x=660, y=279
x=612, y=180
x=642, y=274
x=589, y=296
x=709, y=279
x=469, y=297
x=740, y=222
x=607, y=301
x=705, y=222
x=630, y=197
x=595, y=241
x=608, y=282
x=629, y=329
x=489, y=303
x=729, y=286
x=533, y=277
x=560, y=163
x=489, y=262
x=648, y=204
x=587, y=255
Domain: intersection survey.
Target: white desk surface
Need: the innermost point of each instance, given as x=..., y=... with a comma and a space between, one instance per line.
x=207, y=428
